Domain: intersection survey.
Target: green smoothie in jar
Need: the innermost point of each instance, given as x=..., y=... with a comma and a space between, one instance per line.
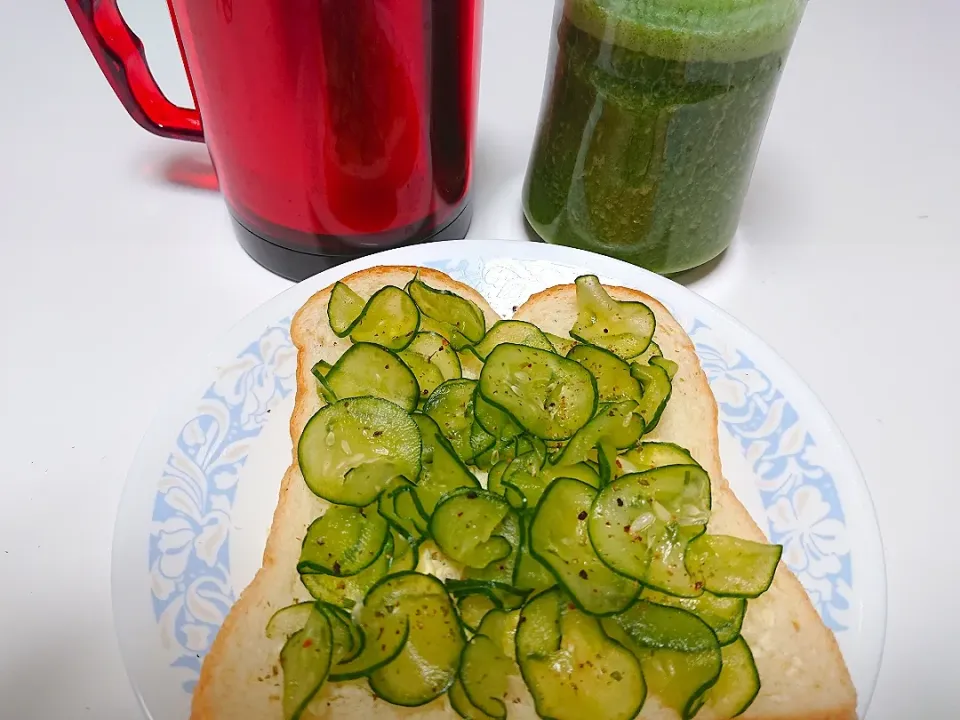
x=651, y=124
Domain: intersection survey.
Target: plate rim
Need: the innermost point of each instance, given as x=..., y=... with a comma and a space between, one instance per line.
x=199, y=367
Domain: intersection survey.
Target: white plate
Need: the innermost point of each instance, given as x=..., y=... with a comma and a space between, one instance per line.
x=200, y=496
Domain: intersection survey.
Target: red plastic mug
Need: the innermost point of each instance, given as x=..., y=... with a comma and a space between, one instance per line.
x=336, y=127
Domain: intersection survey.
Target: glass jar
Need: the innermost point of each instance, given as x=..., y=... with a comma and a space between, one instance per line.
x=651, y=123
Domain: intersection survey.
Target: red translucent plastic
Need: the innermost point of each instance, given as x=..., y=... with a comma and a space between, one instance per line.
x=335, y=126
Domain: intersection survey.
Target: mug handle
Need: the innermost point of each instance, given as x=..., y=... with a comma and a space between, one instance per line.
x=119, y=53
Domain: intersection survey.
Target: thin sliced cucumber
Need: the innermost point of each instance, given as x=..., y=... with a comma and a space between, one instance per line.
x=305, y=661
x=458, y=341
x=442, y=471
x=451, y=407
x=614, y=381
x=561, y=345
x=504, y=596
x=406, y=554
x=348, y=639
x=733, y=566
x=390, y=318
x=608, y=462
x=623, y=328
x=579, y=471
x=640, y=524
x=501, y=627
x=724, y=615
x=366, y=369
x=480, y=440
x=288, y=620
x=437, y=351
x=504, y=451
x=320, y=370
x=516, y=332
x=470, y=364
x=343, y=541
x=615, y=423
x=473, y=608
x=461, y=703
x=427, y=664
x=572, y=668
x=450, y=308
x=501, y=571
x=351, y=449
x=523, y=480
x=485, y=673
x=343, y=309
x=530, y=573
x=346, y=592
x=494, y=420
x=681, y=657
x=668, y=365
x=656, y=392
x=409, y=524
x=653, y=351
x=549, y=396
x=738, y=684
x=559, y=540
x=653, y=455
x=427, y=374
x=463, y=524
x=408, y=508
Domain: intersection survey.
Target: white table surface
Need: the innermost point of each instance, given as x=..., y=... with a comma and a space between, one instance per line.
x=112, y=279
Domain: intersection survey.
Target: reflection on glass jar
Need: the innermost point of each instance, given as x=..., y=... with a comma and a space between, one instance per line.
x=651, y=124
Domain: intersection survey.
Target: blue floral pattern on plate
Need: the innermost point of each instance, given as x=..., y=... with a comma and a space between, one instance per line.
x=189, y=554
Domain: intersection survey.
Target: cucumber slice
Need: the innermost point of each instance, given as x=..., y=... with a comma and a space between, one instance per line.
x=406, y=554
x=343, y=309
x=485, y=673
x=530, y=574
x=501, y=627
x=346, y=592
x=305, y=661
x=656, y=392
x=653, y=351
x=523, y=481
x=407, y=507
x=504, y=596
x=681, y=656
x=458, y=341
x=668, y=365
x=348, y=640
x=436, y=349
x=320, y=370
x=516, y=332
x=480, y=440
x=470, y=364
x=616, y=423
x=390, y=318
x=653, y=455
x=449, y=308
x=463, y=523
x=549, y=396
x=351, y=449
x=494, y=420
x=579, y=471
x=608, y=462
x=724, y=615
x=343, y=541
x=572, y=668
x=451, y=407
x=288, y=620
x=738, y=684
x=410, y=524
x=640, y=524
x=473, y=608
x=427, y=665
x=385, y=630
x=442, y=471
x=427, y=374
x=614, y=381
x=733, y=566
x=370, y=370
x=559, y=539
x=623, y=328
x=501, y=571
x=561, y=345
x=461, y=703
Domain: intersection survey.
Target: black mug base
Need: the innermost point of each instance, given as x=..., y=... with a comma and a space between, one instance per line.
x=298, y=265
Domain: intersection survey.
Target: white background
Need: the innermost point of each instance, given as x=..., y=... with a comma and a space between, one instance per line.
x=112, y=280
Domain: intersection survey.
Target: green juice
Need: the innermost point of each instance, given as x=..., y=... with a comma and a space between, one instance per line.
x=651, y=124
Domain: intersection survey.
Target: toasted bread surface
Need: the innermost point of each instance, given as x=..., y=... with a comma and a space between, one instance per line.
x=802, y=671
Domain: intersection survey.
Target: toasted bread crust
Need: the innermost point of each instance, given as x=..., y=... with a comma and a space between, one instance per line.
x=239, y=680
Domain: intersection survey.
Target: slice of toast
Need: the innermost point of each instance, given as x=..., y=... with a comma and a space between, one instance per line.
x=802, y=672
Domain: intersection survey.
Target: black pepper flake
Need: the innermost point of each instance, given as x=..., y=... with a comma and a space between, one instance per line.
x=619, y=502
x=336, y=568
x=582, y=515
x=471, y=495
x=583, y=574
x=626, y=528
